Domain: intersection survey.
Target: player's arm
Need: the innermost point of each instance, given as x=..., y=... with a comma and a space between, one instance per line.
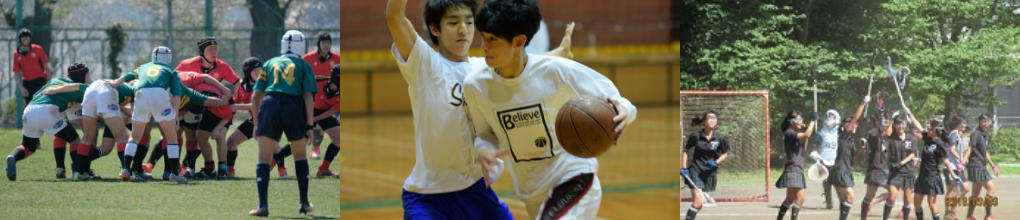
x=586, y=81
x=255, y=103
x=240, y=107
x=807, y=134
x=223, y=89
x=949, y=167
x=565, y=45
x=485, y=139
x=70, y=87
x=309, y=90
x=691, y=141
x=910, y=157
x=859, y=112
x=400, y=27
x=176, y=102
x=724, y=146
x=212, y=101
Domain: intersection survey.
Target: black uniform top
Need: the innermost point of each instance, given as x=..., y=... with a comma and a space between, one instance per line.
x=876, y=156
x=899, y=149
x=794, y=148
x=845, y=152
x=932, y=154
x=979, y=146
x=705, y=149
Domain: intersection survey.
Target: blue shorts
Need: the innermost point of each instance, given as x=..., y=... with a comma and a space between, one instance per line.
x=281, y=113
x=475, y=202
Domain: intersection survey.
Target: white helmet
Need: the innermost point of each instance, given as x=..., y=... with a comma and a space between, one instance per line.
x=292, y=42
x=162, y=54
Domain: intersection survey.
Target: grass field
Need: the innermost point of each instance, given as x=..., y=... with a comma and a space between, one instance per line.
x=37, y=194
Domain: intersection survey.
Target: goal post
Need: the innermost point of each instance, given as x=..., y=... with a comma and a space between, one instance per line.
x=743, y=117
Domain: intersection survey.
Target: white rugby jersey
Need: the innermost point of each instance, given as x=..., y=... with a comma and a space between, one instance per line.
x=443, y=139
x=519, y=115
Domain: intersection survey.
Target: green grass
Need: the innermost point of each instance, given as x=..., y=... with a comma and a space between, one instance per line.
x=38, y=194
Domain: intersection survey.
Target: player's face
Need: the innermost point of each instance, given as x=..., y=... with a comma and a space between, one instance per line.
x=711, y=120
x=324, y=45
x=497, y=50
x=798, y=122
x=900, y=128
x=455, y=31
x=210, y=52
x=25, y=40
x=255, y=73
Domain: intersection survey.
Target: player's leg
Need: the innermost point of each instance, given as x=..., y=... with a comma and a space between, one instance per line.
x=332, y=128
x=890, y=202
x=240, y=135
x=193, y=150
x=990, y=198
x=30, y=133
x=173, y=149
x=317, y=138
x=279, y=159
x=908, y=201
x=869, y=194
x=59, y=154
x=203, y=134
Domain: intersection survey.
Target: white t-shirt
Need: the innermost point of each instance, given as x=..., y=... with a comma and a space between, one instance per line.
x=443, y=138
x=955, y=137
x=828, y=145
x=519, y=115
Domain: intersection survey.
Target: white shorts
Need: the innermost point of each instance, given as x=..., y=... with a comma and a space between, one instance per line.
x=42, y=118
x=101, y=101
x=152, y=103
x=586, y=208
x=73, y=112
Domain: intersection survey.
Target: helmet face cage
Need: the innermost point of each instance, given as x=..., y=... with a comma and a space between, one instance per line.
x=292, y=42
x=162, y=55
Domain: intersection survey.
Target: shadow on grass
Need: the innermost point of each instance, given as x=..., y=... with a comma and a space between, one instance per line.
x=303, y=217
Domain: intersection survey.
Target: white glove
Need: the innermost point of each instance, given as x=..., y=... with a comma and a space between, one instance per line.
x=816, y=156
x=867, y=98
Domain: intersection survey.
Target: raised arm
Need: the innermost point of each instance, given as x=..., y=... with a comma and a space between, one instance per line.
x=860, y=111
x=70, y=87
x=565, y=45
x=400, y=27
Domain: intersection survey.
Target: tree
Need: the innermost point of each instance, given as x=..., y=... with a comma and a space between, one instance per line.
x=955, y=49
x=41, y=22
x=268, y=26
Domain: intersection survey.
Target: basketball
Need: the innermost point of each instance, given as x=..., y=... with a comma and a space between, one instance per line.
x=584, y=126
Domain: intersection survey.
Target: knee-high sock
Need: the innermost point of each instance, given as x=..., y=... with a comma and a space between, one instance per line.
x=865, y=208
x=193, y=153
x=970, y=207
x=782, y=210
x=59, y=150
x=280, y=156
x=137, y=163
x=906, y=211
x=887, y=210
x=231, y=157
x=794, y=211
x=262, y=183
x=988, y=207
x=158, y=151
x=844, y=209
x=692, y=213
x=129, y=155
x=331, y=153
x=302, y=178
x=173, y=155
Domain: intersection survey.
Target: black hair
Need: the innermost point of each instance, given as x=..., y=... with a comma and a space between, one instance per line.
x=324, y=36
x=788, y=120
x=24, y=32
x=698, y=120
x=508, y=18
x=954, y=121
x=250, y=64
x=940, y=132
x=77, y=72
x=436, y=9
x=899, y=120
x=981, y=118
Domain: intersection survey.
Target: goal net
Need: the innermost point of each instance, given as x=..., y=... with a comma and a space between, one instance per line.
x=651, y=156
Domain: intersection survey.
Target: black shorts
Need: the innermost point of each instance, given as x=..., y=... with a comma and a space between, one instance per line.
x=277, y=117
x=325, y=123
x=246, y=128
x=209, y=121
x=33, y=86
x=189, y=126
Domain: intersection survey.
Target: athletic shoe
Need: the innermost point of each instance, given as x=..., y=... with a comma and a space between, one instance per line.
x=125, y=175
x=204, y=173
x=230, y=172
x=315, y=152
x=222, y=172
x=140, y=177
x=92, y=175
x=187, y=173
x=60, y=173
x=283, y=173
x=147, y=167
x=177, y=179
x=12, y=170
x=259, y=212
x=305, y=209
x=325, y=173
x=77, y=176
x=989, y=217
